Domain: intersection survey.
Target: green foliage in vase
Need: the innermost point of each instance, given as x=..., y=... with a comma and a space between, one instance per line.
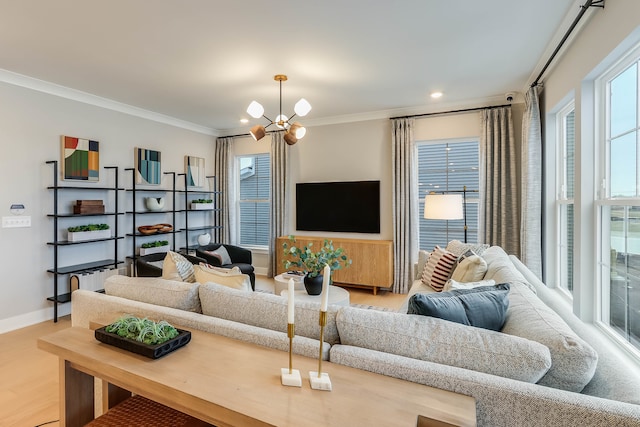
x=155, y=244
x=313, y=262
x=88, y=227
x=143, y=330
x=202, y=201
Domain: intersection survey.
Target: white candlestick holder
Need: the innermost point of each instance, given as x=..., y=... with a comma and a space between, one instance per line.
x=290, y=377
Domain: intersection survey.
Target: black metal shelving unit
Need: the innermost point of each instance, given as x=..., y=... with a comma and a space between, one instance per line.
x=214, y=224
x=135, y=234
x=57, y=270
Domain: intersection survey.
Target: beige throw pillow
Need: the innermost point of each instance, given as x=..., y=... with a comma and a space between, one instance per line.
x=177, y=267
x=470, y=268
x=231, y=278
x=453, y=285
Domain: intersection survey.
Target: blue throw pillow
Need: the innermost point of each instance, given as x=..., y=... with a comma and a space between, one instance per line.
x=482, y=307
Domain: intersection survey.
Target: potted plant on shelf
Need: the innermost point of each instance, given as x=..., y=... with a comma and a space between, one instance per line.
x=312, y=263
x=154, y=247
x=202, y=204
x=79, y=233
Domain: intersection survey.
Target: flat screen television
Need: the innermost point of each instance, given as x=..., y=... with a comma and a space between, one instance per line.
x=346, y=206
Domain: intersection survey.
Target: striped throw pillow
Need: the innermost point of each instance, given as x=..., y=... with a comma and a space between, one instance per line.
x=177, y=267
x=439, y=267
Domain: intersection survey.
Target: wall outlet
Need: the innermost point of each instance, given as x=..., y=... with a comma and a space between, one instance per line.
x=16, y=221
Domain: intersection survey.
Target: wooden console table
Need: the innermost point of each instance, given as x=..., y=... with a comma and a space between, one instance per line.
x=372, y=260
x=231, y=383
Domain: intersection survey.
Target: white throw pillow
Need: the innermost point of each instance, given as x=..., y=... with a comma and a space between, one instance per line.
x=177, y=267
x=470, y=268
x=438, y=269
x=232, y=278
x=221, y=254
x=452, y=284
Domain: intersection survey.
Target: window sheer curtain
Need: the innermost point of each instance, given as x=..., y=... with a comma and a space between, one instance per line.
x=279, y=199
x=223, y=171
x=531, y=234
x=405, y=203
x=500, y=195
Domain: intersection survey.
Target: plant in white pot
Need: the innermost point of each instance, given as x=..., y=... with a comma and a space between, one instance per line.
x=312, y=263
x=79, y=233
x=154, y=247
x=201, y=204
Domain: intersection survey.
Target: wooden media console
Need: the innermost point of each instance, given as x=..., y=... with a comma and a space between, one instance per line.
x=372, y=260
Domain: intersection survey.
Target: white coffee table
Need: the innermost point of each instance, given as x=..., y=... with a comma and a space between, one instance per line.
x=337, y=296
x=282, y=283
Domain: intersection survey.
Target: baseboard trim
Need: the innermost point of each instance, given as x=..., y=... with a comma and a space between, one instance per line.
x=23, y=320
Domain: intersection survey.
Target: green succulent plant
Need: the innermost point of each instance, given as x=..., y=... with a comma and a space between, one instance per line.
x=155, y=244
x=143, y=330
x=313, y=262
x=88, y=227
x=202, y=201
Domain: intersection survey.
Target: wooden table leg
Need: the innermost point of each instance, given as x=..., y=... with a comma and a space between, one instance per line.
x=76, y=396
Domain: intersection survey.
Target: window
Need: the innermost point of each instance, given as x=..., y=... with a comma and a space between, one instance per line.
x=447, y=167
x=619, y=204
x=254, y=200
x=564, y=199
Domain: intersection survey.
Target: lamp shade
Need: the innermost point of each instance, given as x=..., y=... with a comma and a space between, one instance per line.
x=290, y=138
x=302, y=107
x=255, y=110
x=258, y=132
x=443, y=206
x=298, y=130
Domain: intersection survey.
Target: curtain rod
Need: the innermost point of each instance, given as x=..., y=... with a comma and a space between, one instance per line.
x=464, y=110
x=583, y=10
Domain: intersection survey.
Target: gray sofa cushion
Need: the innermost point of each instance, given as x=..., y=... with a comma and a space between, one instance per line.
x=440, y=341
x=266, y=311
x=167, y=293
x=573, y=360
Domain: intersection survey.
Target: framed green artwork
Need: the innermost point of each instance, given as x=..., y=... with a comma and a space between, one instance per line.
x=80, y=159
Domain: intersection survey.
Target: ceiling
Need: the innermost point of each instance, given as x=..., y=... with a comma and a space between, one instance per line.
x=204, y=61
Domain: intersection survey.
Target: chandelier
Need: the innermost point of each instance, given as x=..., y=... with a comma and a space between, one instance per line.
x=293, y=131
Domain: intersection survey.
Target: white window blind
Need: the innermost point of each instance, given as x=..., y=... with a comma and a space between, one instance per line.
x=254, y=200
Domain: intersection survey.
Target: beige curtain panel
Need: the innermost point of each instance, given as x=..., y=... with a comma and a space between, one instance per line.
x=279, y=198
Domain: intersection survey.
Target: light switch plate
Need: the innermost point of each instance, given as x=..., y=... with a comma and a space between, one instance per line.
x=16, y=221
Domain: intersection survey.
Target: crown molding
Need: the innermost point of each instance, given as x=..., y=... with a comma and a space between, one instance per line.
x=87, y=98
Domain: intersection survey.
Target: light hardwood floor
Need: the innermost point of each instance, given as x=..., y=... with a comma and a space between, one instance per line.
x=29, y=385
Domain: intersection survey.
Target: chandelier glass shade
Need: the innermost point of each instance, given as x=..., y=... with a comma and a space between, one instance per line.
x=293, y=130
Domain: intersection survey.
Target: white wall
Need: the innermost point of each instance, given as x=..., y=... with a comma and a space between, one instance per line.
x=31, y=124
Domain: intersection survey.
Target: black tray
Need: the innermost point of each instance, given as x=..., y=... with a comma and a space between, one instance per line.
x=151, y=351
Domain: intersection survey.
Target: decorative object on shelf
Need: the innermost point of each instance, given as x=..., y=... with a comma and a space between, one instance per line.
x=154, y=247
x=85, y=207
x=290, y=377
x=81, y=233
x=80, y=159
x=204, y=239
x=448, y=206
x=202, y=204
x=320, y=380
x=16, y=209
x=293, y=131
x=143, y=336
x=148, y=166
x=154, y=203
x=153, y=229
x=194, y=170
x=313, y=262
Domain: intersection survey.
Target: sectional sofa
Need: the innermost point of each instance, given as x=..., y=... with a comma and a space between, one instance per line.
x=537, y=371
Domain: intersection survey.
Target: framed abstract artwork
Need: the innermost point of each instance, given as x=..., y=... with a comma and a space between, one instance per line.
x=148, y=166
x=194, y=169
x=80, y=159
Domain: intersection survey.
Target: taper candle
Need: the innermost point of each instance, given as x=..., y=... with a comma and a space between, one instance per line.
x=291, y=305
x=324, y=301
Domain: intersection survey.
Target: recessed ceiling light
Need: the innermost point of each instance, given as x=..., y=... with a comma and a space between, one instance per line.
x=244, y=121
x=436, y=95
